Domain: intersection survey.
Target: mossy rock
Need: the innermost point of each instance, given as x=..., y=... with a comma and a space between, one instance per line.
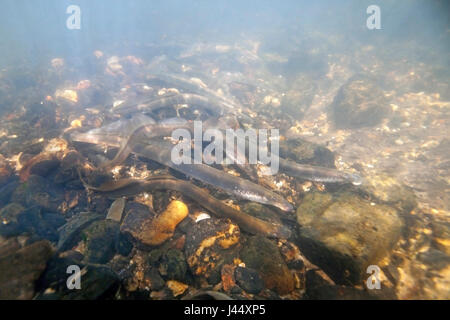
x=344, y=233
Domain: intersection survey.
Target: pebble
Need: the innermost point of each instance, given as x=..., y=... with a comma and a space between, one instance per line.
x=116, y=210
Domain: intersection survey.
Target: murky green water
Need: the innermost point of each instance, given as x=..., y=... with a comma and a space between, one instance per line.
x=357, y=208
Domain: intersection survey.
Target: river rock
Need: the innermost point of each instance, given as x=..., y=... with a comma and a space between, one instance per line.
x=306, y=152
x=359, y=103
x=173, y=265
x=156, y=281
x=6, y=191
x=17, y=220
x=263, y=255
x=70, y=233
x=344, y=234
x=210, y=244
x=249, y=280
x=21, y=268
x=100, y=240
x=97, y=283
x=441, y=235
x=153, y=230
x=116, y=210
x=55, y=275
x=261, y=212
x=38, y=191
x=389, y=190
x=298, y=99
x=9, y=216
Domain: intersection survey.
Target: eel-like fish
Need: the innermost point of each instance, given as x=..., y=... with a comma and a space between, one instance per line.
x=195, y=85
x=160, y=151
x=131, y=187
x=148, y=105
x=318, y=174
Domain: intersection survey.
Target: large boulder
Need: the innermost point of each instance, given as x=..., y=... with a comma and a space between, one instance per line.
x=344, y=233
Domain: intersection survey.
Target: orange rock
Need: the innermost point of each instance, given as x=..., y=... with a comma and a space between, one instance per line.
x=67, y=94
x=176, y=287
x=158, y=230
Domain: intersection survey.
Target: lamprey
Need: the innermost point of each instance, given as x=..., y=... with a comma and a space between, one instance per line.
x=248, y=223
x=160, y=151
x=212, y=105
x=317, y=174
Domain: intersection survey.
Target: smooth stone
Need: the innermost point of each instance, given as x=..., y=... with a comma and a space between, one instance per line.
x=116, y=210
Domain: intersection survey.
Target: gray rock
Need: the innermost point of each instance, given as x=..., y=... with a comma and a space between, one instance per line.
x=6, y=192
x=116, y=210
